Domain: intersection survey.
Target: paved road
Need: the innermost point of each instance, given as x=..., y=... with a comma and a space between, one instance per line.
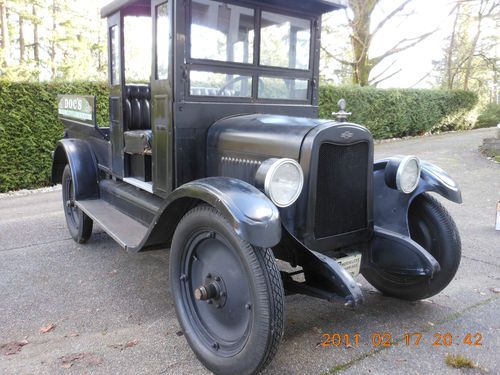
x=101, y=298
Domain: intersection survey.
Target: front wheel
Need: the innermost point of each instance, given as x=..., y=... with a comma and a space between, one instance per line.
x=431, y=227
x=228, y=295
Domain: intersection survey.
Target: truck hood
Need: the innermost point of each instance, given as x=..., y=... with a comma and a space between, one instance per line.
x=259, y=136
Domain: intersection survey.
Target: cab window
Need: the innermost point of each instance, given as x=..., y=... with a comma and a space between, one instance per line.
x=222, y=32
x=285, y=41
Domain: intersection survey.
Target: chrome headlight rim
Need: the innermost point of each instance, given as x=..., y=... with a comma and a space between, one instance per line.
x=271, y=166
x=401, y=169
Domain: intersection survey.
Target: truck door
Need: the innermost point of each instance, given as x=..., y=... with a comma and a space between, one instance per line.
x=115, y=56
x=161, y=95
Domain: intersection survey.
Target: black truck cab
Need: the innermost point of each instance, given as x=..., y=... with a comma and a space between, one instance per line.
x=217, y=59
x=216, y=152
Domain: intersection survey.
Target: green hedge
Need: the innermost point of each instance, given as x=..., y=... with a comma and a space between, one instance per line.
x=29, y=127
x=400, y=112
x=490, y=116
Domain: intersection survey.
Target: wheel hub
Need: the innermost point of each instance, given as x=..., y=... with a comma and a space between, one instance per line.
x=213, y=291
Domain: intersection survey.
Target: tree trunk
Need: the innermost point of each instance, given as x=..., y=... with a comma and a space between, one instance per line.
x=5, y=30
x=470, y=58
x=2, y=36
x=52, y=51
x=22, y=44
x=449, y=60
x=36, y=39
x=361, y=39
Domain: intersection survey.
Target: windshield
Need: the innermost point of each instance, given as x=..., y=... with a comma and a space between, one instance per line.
x=224, y=35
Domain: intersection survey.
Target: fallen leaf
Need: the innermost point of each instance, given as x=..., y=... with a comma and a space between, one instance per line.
x=13, y=347
x=128, y=344
x=48, y=328
x=495, y=290
x=179, y=333
x=87, y=358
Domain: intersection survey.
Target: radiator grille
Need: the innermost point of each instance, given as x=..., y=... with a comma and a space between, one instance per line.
x=341, y=195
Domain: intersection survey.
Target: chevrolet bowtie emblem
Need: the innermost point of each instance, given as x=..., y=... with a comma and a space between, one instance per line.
x=347, y=134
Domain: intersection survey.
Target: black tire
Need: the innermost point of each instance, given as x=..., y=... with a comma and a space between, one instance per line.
x=79, y=224
x=432, y=227
x=240, y=330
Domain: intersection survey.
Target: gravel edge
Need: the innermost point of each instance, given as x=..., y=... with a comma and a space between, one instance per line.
x=24, y=192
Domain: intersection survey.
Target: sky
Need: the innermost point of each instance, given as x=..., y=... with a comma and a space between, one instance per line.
x=415, y=62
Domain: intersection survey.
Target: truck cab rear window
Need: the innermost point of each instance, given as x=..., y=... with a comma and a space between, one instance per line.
x=222, y=32
x=285, y=41
x=220, y=84
x=283, y=88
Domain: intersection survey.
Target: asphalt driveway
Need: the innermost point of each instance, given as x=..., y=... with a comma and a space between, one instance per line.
x=109, y=312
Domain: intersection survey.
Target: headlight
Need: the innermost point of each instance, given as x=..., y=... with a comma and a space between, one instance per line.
x=281, y=179
x=403, y=173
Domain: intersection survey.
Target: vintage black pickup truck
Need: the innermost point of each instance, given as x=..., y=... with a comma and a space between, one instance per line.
x=222, y=159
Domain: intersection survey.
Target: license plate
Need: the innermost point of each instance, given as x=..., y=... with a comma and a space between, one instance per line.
x=351, y=263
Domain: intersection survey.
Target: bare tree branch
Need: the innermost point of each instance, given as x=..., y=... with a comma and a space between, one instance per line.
x=421, y=79
x=398, y=47
x=381, y=73
x=329, y=54
x=389, y=16
x=386, y=78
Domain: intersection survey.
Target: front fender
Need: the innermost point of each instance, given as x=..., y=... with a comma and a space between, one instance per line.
x=391, y=206
x=252, y=214
x=81, y=159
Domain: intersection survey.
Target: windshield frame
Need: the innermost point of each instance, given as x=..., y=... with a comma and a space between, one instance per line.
x=254, y=69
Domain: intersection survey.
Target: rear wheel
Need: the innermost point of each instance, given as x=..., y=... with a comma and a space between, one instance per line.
x=79, y=224
x=432, y=228
x=228, y=294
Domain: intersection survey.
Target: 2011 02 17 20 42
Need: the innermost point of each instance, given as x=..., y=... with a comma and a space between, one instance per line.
x=415, y=339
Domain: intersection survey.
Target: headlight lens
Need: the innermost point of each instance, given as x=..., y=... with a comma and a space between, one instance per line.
x=408, y=174
x=283, y=180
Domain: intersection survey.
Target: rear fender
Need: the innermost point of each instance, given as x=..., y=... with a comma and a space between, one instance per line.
x=81, y=159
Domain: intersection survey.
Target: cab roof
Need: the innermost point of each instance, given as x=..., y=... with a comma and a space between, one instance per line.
x=142, y=7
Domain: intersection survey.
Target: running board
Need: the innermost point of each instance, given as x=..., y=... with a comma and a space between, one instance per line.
x=128, y=232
